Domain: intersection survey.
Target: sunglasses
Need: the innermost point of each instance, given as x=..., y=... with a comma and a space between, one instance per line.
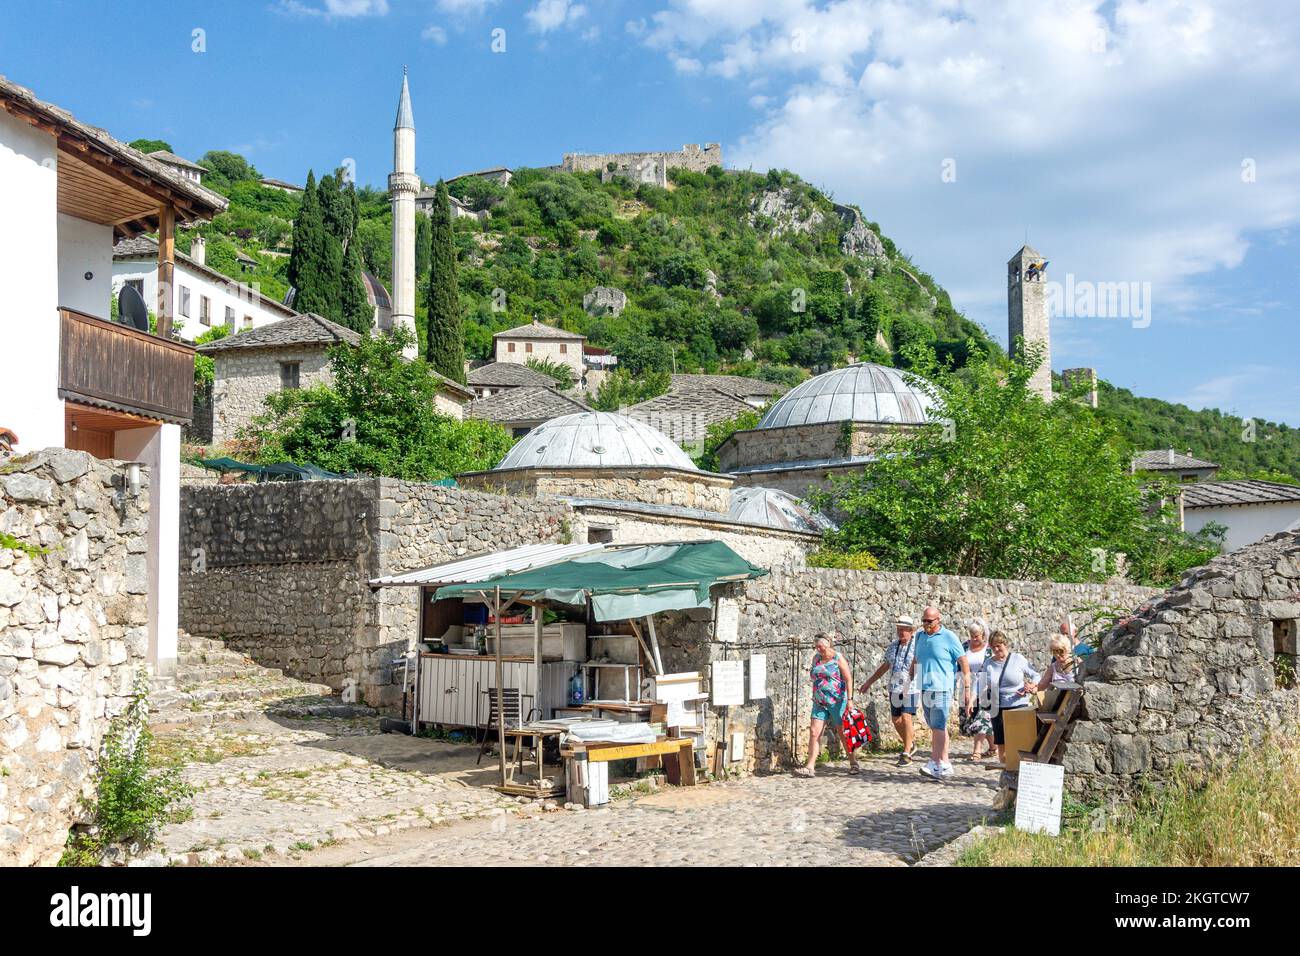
x=929, y=620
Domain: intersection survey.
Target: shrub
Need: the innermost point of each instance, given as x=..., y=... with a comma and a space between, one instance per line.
x=853, y=561
x=131, y=802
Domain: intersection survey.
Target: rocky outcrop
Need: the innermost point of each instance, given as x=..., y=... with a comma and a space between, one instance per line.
x=858, y=240
x=786, y=214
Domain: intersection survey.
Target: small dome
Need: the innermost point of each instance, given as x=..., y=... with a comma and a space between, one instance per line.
x=596, y=440
x=864, y=392
x=772, y=508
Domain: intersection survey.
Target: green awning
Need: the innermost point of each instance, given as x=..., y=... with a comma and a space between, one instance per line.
x=625, y=582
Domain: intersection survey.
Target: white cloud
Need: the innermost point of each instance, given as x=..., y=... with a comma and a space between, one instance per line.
x=1114, y=131
x=434, y=34
x=337, y=9
x=464, y=8
x=548, y=15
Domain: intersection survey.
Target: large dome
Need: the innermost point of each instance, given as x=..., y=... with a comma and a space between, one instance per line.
x=595, y=440
x=773, y=508
x=864, y=392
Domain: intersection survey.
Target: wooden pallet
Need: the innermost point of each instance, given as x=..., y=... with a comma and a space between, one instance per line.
x=1054, y=722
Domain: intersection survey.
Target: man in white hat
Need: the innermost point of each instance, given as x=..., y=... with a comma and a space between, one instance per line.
x=903, y=693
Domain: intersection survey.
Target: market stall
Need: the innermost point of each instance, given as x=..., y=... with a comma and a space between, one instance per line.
x=628, y=584
x=616, y=590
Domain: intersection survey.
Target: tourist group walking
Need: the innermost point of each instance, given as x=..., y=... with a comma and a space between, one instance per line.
x=935, y=676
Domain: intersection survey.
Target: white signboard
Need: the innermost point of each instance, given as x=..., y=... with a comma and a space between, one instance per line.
x=757, y=676
x=728, y=683
x=726, y=625
x=1038, y=801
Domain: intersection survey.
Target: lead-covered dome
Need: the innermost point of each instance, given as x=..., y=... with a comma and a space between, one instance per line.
x=864, y=392
x=773, y=508
x=595, y=440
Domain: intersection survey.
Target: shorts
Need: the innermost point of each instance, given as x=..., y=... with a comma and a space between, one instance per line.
x=831, y=713
x=899, y=711
x=938, y=704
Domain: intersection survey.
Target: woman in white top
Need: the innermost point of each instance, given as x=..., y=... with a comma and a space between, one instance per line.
x=980, y=723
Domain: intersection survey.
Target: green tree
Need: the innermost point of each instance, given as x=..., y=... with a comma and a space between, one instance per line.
x=445, y=346
x=715, y=436
x=559, y=371
x=317, y=260
x=1000, y=484
x=151, y=145
x=622, y=388
x=226, y=168
x=377, y=417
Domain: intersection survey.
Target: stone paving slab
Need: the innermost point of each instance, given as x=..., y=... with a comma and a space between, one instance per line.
x=887, y=816
x=295, y=784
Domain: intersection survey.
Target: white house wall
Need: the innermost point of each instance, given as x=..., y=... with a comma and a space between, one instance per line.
x=1246, y=523
x=85, y=249
x=242, y=298
x=29, y=322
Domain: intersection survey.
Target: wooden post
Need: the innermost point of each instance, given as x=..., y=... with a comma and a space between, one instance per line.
x=166, y=269
x=501, y=694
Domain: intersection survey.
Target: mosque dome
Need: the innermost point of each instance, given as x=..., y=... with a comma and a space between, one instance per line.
x=595, y=440
x=772, y=508
x=864, y=392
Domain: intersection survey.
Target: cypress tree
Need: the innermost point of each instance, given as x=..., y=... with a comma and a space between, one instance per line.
x=354, y=305
x=309, y=262
x=445, y=345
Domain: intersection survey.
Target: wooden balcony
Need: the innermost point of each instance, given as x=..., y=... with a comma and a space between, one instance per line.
x=120, y=368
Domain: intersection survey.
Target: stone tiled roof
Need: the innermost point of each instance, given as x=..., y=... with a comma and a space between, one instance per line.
x=502, y=374
x=1166, y=459
x=536, y=330
x=308, y=329
x=171, y=159
x=1214, y=494
x=200, y=201
x=710, y=405
x=446, y=384
x=733, y=384
x=144, y=247
x=531, y=403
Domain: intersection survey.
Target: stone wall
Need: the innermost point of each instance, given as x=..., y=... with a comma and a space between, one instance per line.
x=766, y=547
x=1190, y=678
x=662, y=486
x=244, y=377
x=73, y=634
x=782, y=613
x=794, y=443
x=691, y=156
x=285, y=568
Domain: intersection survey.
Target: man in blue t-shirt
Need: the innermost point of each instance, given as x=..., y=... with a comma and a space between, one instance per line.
x=938, y=654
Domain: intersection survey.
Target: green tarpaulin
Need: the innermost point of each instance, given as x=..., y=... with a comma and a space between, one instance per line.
x=284, y=470
x=625, y=583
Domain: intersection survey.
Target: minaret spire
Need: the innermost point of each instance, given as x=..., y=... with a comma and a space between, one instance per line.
x=403, y=184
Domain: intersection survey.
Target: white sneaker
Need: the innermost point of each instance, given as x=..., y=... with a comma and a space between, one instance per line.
x=944, y=772
x=931, y=769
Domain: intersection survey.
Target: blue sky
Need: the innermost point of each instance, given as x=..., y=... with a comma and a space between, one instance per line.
x=1154, y=143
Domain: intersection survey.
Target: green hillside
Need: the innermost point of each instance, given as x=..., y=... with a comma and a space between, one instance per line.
x=724, y=272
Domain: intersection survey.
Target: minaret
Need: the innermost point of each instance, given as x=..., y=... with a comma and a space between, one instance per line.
x=1027, y=313
x=403, y=184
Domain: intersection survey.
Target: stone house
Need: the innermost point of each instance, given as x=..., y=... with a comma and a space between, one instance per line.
x=291, y=353
x=543, y=343
x=1167, y=463
x=605, y=300
x=685, y=415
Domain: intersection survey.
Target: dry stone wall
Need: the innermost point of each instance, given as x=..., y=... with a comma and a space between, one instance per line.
x=73, y=635
x=1192, y=677
x=286, y=567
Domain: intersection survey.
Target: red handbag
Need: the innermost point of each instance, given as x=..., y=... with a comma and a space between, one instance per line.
x=856, y=732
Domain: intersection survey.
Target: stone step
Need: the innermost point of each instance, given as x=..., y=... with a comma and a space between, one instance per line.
x=250, y=690
x=204, y=673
